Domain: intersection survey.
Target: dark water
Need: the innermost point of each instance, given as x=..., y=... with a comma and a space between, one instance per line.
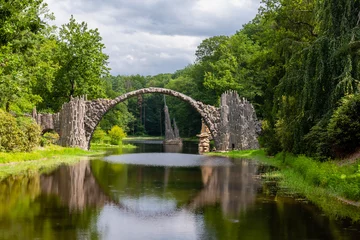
x=158, y=196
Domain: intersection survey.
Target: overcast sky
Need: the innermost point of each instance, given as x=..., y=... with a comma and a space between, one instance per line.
x=148, y=37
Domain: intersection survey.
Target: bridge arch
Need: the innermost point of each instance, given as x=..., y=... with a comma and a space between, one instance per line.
x=233, y=125
x=95, y=110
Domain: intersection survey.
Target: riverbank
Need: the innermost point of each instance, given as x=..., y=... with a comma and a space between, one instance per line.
x=332, y=186
x=47, y=159
x=96, y=146
x=44, y=153
x=40, y=160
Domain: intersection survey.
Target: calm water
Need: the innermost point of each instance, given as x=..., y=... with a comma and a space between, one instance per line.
x=153, y=195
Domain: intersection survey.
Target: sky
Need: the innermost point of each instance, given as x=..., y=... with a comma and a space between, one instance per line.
x=149, y=37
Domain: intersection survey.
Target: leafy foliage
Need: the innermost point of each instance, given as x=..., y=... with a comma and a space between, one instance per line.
x=49, y=138
x=82, y=62
x=294, y=61
x=116, y=135
x=98, y=135
x=16, y=135
x=344, y=126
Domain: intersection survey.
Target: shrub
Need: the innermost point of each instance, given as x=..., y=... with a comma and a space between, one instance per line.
x=10, y=134
x=31, y=133
x=268, y=139
x=17, y=135
x=49, y=138
x=116, y=135
x=98, y=135
x=344, y=126
x=317, y=141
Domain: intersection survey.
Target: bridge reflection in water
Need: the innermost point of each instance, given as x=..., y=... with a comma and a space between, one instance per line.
x=233, y=186
x=158, y=196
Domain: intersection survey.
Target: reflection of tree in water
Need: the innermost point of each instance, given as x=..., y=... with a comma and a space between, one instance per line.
x=234, y=187
x=75, y=185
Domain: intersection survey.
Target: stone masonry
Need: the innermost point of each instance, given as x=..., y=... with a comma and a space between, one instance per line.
x=239, y=127
x=231, y=126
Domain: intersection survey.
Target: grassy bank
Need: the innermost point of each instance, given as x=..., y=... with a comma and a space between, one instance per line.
x=335, y=188
x=143, y=138
x=95, y=146
x=43, y=160
x=48, y=152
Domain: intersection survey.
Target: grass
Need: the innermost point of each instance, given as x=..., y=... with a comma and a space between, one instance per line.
x=37, y=166
x=104, y=145
x=334, y=188
x=144, y=138
x=43, y=153
x=40, y=160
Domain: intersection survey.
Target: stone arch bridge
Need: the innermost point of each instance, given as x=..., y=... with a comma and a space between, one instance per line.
x=233, y=125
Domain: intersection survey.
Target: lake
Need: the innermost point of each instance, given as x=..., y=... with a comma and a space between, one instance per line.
x=153, y=192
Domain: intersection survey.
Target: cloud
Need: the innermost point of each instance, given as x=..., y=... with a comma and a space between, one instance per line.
x=155, y=36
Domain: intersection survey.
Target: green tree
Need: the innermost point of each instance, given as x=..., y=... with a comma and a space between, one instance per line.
x=22, y=26
x=344, y=126
x=82, y=63
x=235, y=68
x=116, y=135
x=98, y=135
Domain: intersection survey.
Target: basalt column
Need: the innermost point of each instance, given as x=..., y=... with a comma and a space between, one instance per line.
x=72, y=128
x=172, y=136
x=239, y=127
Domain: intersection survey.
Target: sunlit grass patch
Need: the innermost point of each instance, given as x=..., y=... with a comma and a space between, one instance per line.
x=43, y=153
x=41, y=160
x=95, y=146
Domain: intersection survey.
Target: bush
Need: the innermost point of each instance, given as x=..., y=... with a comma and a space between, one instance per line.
x=116, y=135
x=317, y=141
x=31, y=133
x=10, y=134
x=18, y=135
x=344, y=126
x=268, y=139
x=98, y=135
x=49, y=138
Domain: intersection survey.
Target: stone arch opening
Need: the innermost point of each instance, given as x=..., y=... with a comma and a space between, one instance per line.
x=96, y=110
x=47, y=130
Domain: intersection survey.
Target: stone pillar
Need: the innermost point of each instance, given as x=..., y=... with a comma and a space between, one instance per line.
x=204, y=139
x=238, y=126
x=72, y=128
x=169, y=132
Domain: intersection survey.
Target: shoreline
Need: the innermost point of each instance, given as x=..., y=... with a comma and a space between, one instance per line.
x=334, y=188
x=44, y=159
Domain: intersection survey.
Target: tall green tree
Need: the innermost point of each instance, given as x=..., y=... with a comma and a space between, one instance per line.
x=22, y=26
x=235, y=67
x=82, y=62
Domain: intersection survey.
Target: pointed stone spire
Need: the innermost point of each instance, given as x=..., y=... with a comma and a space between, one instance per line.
x=176, y=130
x=169, y=133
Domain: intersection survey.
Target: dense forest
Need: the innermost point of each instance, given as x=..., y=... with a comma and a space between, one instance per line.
x=297, y=61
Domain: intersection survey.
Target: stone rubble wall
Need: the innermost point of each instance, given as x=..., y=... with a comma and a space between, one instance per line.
x=47, y=121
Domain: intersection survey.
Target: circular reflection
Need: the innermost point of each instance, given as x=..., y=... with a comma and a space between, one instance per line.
x=169, y=160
